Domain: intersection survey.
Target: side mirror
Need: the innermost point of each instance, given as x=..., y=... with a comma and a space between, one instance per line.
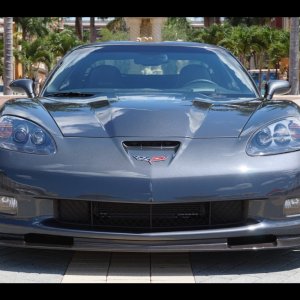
x=276, y=87
x=23, y=85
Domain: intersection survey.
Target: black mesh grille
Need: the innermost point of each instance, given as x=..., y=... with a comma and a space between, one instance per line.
x=131, y=217
x=179, y=215
x=108, y=214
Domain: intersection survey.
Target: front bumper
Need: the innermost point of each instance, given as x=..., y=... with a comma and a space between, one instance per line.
x=264, y=182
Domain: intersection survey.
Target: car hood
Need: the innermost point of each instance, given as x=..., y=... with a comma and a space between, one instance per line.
x=149, y=116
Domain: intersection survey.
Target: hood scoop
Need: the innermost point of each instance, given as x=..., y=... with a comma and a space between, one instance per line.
x=151, y=152
x=151, y=144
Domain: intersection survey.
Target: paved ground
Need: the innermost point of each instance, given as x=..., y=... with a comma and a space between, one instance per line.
x=24, y=265
x=43, y=266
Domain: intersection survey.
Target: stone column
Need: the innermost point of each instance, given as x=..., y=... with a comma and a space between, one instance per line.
x=157, y=25
x=134, y=25
x=286, y=23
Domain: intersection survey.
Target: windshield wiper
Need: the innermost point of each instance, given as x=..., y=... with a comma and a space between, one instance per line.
x=69, y=94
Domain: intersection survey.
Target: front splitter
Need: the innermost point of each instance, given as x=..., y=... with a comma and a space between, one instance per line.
x=90, y=244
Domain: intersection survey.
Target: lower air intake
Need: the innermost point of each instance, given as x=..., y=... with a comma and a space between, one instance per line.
x=132, y=217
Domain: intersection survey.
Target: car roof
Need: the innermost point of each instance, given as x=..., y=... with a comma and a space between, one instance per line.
x=151, y=44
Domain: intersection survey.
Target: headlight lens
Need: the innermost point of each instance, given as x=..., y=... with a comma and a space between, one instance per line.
x=21, y=135
x=264, y=137
x=279, y=137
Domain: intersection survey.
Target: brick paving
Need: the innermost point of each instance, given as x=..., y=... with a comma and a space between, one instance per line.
x=247, y=267
x=37, y=266
x=129, y=268
x=47, y=266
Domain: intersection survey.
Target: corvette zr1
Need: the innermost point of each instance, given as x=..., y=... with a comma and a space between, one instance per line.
x=149, y=147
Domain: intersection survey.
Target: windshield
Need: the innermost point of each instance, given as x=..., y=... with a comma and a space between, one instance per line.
x=112, y=69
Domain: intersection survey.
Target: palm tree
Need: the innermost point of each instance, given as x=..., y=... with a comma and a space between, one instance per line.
x=8, y=54
x=279, y=48
x=79, y=27
x=1, y=58
x=208, y=21
x=294, y=56
x=117, y=24
x=30, y=54
x=45, y=50
x=238, y=41
x=249, y=21
x=93, y=32
x=213, y=34
x=261, y=39
x=33, y=26
x=59, y=43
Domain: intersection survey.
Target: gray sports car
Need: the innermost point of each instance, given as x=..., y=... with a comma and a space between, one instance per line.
x=150, y=147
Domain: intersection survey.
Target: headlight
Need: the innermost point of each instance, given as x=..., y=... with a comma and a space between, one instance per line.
x=21, y=135
x=279, y=137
